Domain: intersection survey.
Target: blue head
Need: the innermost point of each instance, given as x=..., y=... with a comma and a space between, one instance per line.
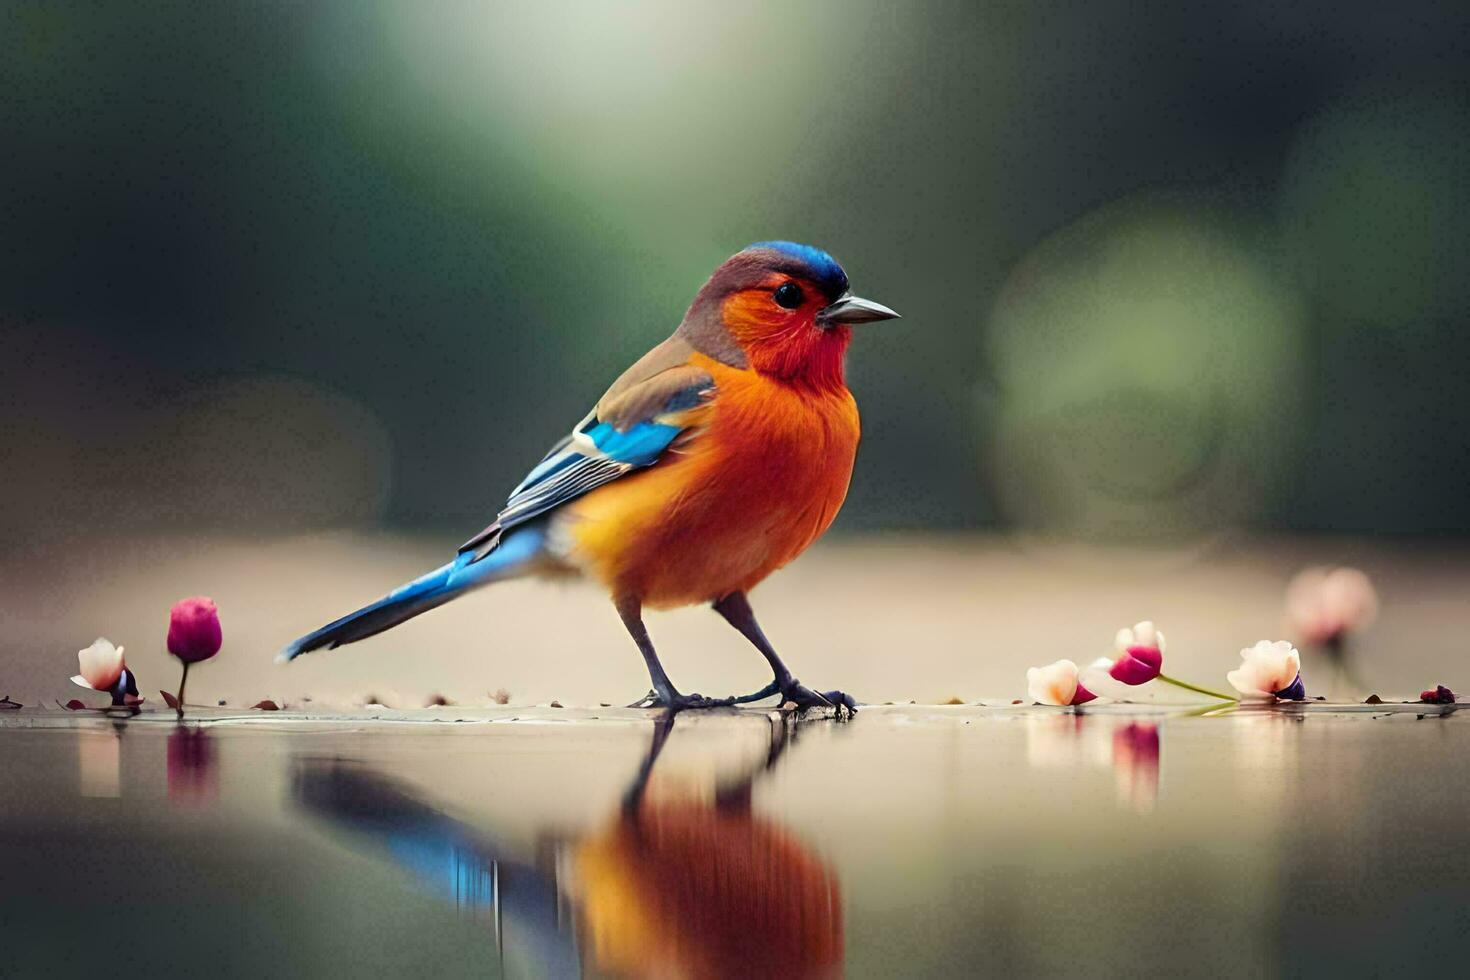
x=804, y=261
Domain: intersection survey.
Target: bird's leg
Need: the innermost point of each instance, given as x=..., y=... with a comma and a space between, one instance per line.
x=664, y=694
x=735, y=607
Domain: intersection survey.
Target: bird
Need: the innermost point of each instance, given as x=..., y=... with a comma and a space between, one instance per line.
x=715, y=459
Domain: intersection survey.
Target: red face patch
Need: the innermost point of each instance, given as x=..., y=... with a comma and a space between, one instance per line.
x=784, y=340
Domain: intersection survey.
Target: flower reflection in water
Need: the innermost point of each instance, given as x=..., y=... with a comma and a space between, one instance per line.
x=1062, y=740
x=193, y=774
x=681, y=888
x=1136, y=765
x=99, y=762
x=1083, y=742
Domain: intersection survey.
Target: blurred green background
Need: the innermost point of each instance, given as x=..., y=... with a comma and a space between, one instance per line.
x=1165, y=268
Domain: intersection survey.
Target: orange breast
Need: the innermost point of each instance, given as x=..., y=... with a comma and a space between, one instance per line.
x=761, y=480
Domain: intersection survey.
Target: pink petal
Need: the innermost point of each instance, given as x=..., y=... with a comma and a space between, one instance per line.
x=1137, y=665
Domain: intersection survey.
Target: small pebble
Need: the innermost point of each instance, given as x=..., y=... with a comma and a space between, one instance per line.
x=501, y=696
x=74, y=705
x=1017, y=701
x=1373, y=699
x=554, y=704
x=221, y=702
x=266, y=705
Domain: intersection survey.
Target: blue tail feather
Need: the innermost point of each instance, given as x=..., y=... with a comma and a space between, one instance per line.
x=425, y=592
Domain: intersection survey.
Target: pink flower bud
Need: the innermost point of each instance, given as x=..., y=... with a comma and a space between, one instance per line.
x=193, y=629
x=1137, y=665
x=1140, y=654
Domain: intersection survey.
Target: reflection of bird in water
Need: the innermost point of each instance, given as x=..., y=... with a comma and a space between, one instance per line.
x=679, y=888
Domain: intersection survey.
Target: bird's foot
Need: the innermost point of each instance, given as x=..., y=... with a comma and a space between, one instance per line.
x=797, y=693
x=680, y=702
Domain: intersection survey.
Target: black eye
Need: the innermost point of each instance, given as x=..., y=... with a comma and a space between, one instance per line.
x=789, y=295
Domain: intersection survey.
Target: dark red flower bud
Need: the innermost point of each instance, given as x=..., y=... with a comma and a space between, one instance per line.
x=193, y=629
x=1137, y=665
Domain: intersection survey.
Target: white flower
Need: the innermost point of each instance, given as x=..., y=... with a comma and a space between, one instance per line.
x=1143, y=634
x=101, y=665
x=1056, y=684
x=1269, y=670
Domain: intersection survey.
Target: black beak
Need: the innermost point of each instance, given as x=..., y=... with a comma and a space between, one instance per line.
x=854, y=309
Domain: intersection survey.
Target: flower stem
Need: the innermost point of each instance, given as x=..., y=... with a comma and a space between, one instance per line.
x=182, y=681
x=1195, y=688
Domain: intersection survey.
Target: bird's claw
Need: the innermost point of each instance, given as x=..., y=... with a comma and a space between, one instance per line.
x=649, y=700
x=804, y=697
x=842, y=702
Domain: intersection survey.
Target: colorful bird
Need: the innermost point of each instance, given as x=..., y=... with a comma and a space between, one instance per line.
x=718, y=457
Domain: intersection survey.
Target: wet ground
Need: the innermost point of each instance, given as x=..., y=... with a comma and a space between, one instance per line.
x=911, y=841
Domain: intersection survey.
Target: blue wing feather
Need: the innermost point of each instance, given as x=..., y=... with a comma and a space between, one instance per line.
x=593, y=454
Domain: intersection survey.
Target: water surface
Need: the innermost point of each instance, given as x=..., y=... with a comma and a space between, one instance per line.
x=909, y=842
